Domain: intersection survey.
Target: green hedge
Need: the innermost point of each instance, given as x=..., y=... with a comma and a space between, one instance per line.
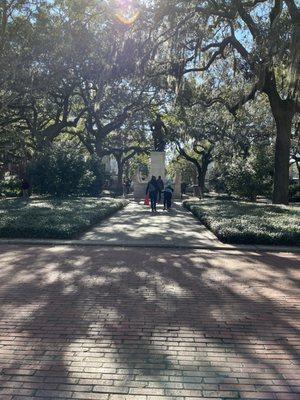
x=10, y=186
x=64, y=171
x=248, y=223
x=294, y=193
x=53, y=218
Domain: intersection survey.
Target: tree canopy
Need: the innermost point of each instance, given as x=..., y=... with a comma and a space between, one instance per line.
x=100, y=71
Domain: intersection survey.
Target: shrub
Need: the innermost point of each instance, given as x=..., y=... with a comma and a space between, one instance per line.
x=10, y=186
x=218, y=178
x=294, y=193
x=54, y=218
x=64, y=171
x=243, y=181
x=92, y=181
x=248, y=223
x=246, y=177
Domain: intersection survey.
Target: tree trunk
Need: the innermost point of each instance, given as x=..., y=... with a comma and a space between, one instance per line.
x=3, y=27
x=295, y=58
x=283, y=112
x=200, y=186
x=202, y=172
x=201, y=180
x=298, y=168
x=43, y=144
x=201, y=183
x=120, y=189
x=283, y=121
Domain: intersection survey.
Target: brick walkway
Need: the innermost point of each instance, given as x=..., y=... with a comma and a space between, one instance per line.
x=136, y=225
x=120, y=324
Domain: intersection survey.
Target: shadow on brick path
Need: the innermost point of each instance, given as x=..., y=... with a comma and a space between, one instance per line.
x=136, y=225
x=116, y=324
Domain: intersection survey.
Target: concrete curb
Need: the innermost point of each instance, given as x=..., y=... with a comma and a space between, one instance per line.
x=98, y=243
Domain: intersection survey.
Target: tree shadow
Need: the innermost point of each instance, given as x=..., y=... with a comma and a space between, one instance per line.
x=172, y=324
x=139, y=225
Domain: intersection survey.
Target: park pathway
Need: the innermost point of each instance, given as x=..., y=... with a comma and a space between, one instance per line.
x=105, y=323
x=136, y=225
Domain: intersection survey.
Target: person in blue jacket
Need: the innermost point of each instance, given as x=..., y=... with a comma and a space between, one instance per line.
x=152, y=190
x=168, y=194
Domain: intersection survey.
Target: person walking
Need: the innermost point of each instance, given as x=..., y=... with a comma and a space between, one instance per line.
x=168, y=194
x=183, y=188
x=25, y=185
x=152, y=190
x=127, y=185
x=161, y=186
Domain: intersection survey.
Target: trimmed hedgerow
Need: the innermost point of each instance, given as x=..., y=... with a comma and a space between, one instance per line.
x=248, y=223
x=42, y=218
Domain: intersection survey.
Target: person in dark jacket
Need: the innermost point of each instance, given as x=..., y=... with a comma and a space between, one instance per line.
x=168, y=194
x=183, y=187
x=127, y=185
x=25, y=185
x=152, y=190
x=161, y=186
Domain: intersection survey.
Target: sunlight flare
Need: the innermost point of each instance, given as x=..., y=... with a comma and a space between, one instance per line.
x=126, y=11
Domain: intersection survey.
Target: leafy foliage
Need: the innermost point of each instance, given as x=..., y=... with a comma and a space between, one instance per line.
x=243, y=48
x=240, y=222
x=246, y=177
x=187, y=169
x=53, y=218
x=10, y=186
x=83, y=69
x=294, y=193
x=64, y=170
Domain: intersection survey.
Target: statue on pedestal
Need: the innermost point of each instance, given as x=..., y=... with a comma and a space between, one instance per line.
x=159, y=132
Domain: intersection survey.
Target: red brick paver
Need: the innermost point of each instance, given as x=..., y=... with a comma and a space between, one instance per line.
x=138, y=324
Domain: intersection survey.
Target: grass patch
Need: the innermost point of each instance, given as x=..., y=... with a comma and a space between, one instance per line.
x=53, y=218
x=248, y=223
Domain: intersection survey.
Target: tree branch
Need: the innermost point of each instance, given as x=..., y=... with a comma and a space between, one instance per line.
x=87, y=144
x=276, y=11
x=219, y=52
x=293, y=10
x=189, y=158
x=246, y=17
x=244, y=100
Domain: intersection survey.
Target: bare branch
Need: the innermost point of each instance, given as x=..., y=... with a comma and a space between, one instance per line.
x=222, y=45
x=246, y=17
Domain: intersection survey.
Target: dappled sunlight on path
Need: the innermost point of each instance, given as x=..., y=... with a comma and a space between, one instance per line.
x=148, y=324
x=137, y=225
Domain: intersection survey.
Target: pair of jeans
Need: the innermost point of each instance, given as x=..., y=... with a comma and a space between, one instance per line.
x=167, y=200
x=159, y=195
x=153, y=200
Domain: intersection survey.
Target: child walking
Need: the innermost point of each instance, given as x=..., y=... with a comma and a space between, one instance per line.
x=168, y=194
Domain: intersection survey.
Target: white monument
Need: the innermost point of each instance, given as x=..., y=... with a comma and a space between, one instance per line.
x=177, y=186
x=158, y=164
x=157, y=168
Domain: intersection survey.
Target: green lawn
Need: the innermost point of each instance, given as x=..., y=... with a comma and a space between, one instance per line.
x=53, y=218
x=248, y=223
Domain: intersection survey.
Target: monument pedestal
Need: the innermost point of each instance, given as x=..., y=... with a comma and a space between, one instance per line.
x=157, y=168
x=177, y=186
x=139, y=190
x=158, y=164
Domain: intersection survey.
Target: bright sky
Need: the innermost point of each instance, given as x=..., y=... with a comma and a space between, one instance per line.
x=125, y=10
